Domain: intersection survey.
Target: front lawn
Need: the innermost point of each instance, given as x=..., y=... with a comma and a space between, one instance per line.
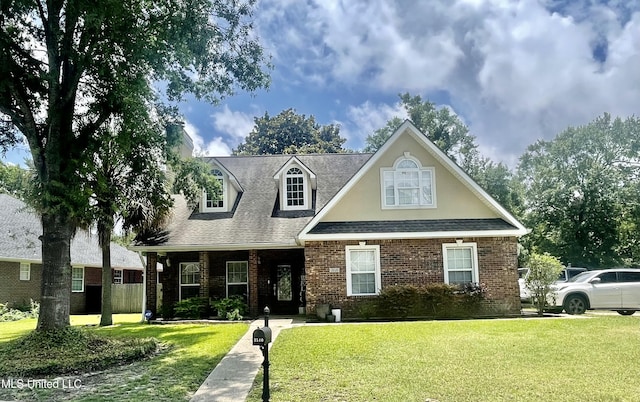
x=546, y=359
x=187, y=355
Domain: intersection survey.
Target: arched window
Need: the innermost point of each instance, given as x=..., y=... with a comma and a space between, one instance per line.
x=211, y=201
x=407, y=184
x=295, y=188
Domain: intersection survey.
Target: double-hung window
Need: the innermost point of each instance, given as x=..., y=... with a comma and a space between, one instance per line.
x=117, y=276
x=363, y=270
x=25, y=271
x=408, y=185
x=215, y=202
x=77, y=279
x=460, y=263
x=238, y=279
x=295, y=189
x=189, y=280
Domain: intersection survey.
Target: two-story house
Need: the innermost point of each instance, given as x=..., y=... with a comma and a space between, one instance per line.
x=334, y=229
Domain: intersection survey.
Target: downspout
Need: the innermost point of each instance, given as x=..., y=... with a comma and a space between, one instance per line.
x=144, y=286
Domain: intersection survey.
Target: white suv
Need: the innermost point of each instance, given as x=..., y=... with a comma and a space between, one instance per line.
x=609, y=289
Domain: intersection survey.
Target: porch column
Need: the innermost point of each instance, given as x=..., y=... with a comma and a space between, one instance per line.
x=151, y=276
x=204, y=274
x=254, y=309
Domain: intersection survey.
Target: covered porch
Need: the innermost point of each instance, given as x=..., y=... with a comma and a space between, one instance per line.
x=269, y=277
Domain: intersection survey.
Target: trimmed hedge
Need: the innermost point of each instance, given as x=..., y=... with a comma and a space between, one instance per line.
x=435, y=300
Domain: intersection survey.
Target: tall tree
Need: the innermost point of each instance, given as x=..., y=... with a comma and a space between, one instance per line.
x=581, y=191
x=291, y=133
x=68, y=67
x=15, y=181
x=440, y=125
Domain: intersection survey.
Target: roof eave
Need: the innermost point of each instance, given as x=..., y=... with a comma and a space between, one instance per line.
x=216, y=247
x=411, y=235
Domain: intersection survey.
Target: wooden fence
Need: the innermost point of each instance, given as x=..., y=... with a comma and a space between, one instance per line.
x=127, y=297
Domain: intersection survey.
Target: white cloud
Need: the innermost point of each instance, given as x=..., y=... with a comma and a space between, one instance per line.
x=215, y=147
x=234, y=123
x=364, y=119
x=516, y=71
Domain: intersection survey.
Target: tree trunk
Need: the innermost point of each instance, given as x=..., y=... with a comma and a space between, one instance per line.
x=106, y=317
x=55, y=297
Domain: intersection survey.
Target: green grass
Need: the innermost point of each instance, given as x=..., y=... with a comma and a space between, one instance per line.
x=188, y=354
x=548, y=359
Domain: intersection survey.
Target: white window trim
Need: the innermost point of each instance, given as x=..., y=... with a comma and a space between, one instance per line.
x=236, y=283
x=81, y=290
x=25, y=271
x=421, y=170
x=378, y=276
x=120, y=279
x=180, y=284
x=225, y=202
x=474, y=259
x=305, y=189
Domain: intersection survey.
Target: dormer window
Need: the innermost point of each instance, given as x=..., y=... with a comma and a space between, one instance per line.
x=211, y=203
x=407, y=184
x=295, y=189
x=295, y=183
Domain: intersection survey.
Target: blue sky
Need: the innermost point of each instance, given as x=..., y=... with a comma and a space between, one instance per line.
x=514, y=71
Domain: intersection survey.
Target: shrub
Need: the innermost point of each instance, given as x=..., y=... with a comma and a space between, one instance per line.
x=231, y=308
x=543, y=272
x=14, y=314
x=435, y=300
x=195, y=307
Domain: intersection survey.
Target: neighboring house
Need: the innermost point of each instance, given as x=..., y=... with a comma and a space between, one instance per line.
x=21, y=262
x=335, y=229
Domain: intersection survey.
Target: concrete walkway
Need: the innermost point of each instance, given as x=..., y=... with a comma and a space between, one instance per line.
x=232, y=378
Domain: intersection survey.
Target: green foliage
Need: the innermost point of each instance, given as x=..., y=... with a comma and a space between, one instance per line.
x=68, y=350
x=435, y=300
x=291, y=133
x=70, y=72
x=192, y=176
x=16, y=313
x=543, y=272
x=193, y=308
x=581, y=189
x=15, y=181
x=232, y=308
x=440, y=125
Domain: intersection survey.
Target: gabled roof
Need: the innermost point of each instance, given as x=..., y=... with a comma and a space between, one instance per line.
x=294, y=160
x=21, y=229
x=232, y=179
x=253, y=224
x=512, y=228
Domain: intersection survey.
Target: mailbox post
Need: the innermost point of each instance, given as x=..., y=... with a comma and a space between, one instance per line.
x=262, y=338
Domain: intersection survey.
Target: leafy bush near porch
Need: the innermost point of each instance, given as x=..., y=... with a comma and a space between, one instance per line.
x=19, y=312
x=193, y=308
x=435, y=300
x=232, y=308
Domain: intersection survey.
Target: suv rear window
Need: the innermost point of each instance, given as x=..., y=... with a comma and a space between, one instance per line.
x=629, y=276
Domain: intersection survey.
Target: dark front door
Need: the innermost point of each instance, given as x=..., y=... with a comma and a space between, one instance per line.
x=93, y=299
x=284, y=287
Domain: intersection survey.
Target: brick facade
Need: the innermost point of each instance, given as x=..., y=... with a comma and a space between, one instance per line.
x=416, y=262
x=15, y=291
x=19, y=293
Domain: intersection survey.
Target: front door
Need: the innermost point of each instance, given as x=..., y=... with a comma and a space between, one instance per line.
x=284, y=287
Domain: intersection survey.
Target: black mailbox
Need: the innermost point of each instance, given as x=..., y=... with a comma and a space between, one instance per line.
x=262, y=336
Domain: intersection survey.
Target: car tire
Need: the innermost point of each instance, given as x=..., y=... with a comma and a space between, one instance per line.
x=575, y=304
x=625, y=312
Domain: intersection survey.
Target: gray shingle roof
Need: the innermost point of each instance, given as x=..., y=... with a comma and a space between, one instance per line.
x=411, y=226
x=21, y=229
x=253, y=221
